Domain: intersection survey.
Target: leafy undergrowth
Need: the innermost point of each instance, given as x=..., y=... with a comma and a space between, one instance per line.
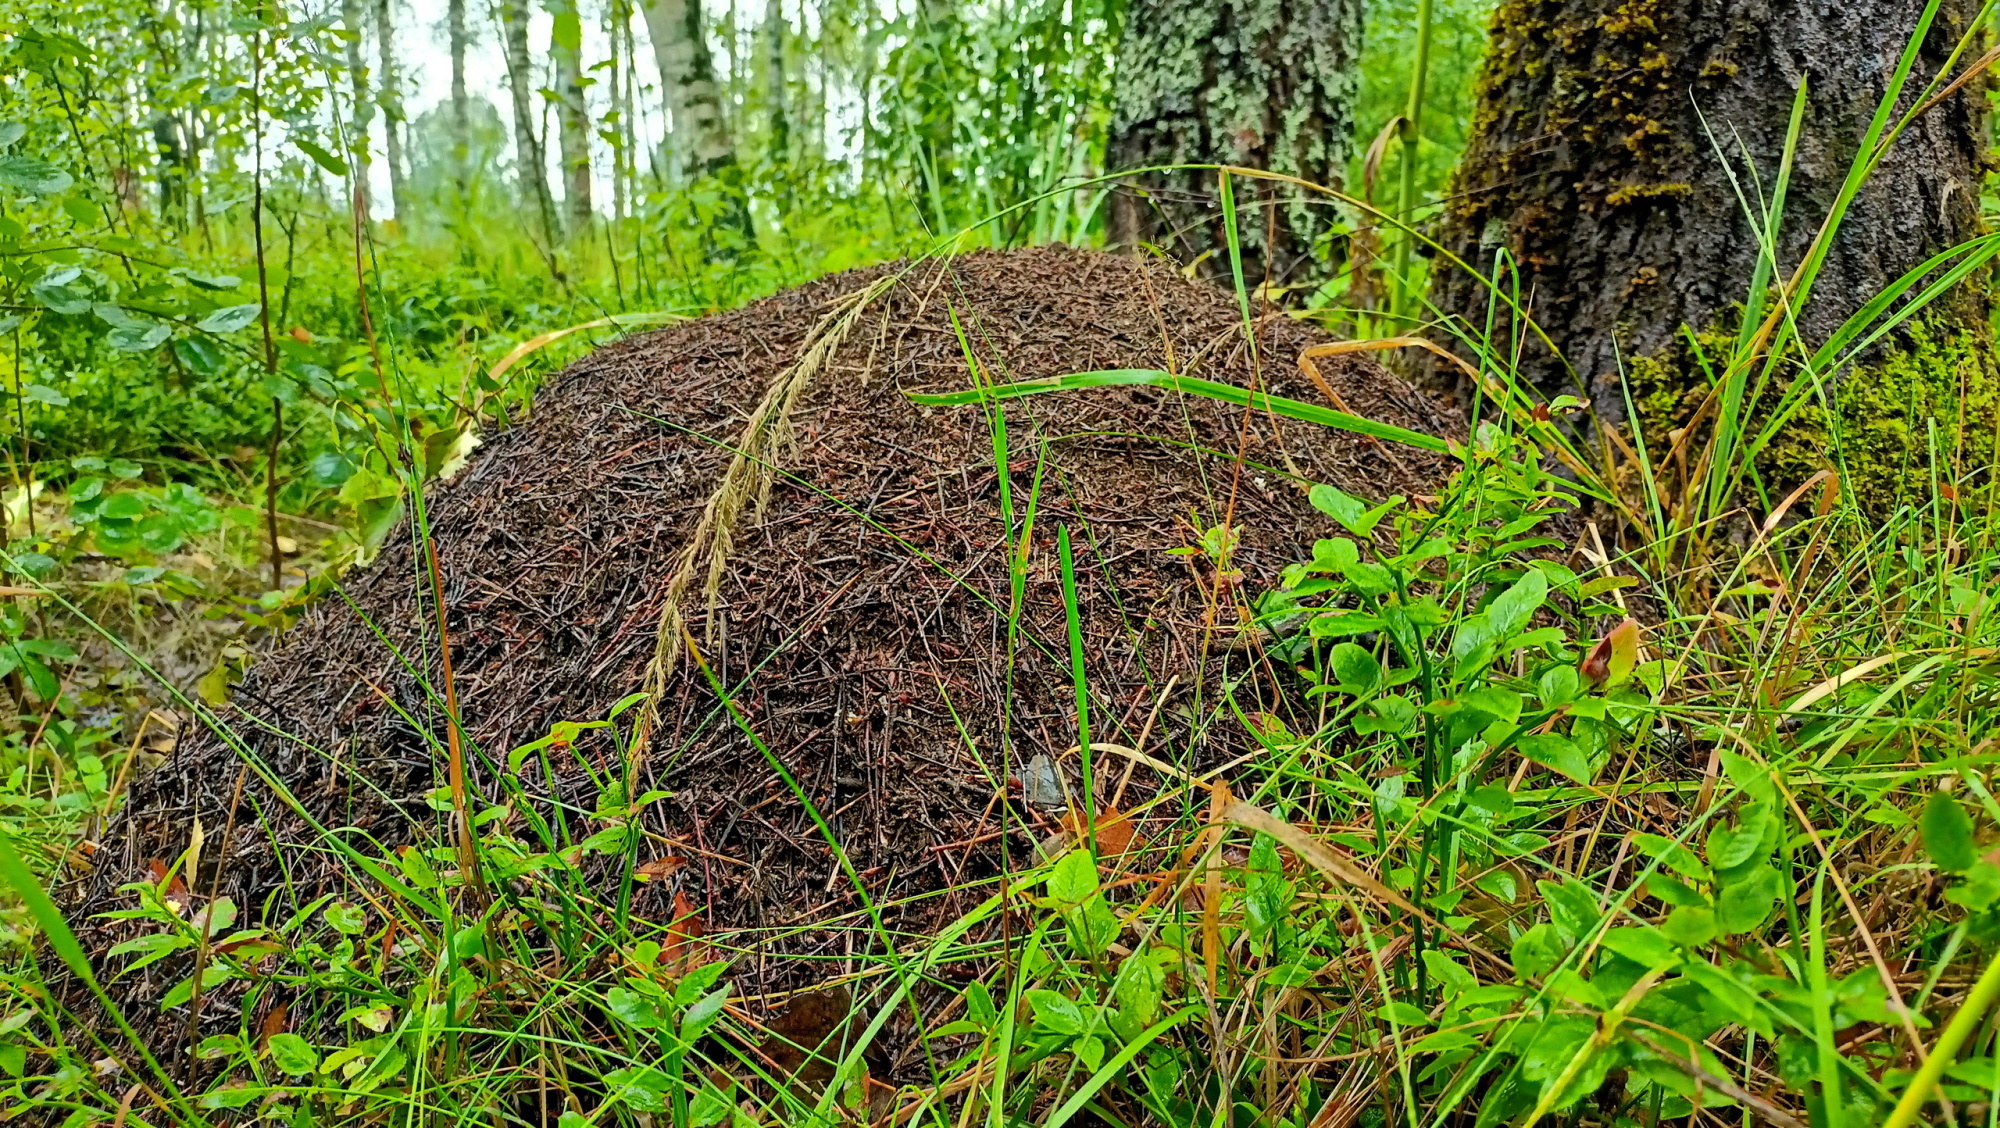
x=1513, y=857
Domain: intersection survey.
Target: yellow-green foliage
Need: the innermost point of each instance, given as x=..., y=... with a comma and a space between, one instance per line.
x=1931, y=379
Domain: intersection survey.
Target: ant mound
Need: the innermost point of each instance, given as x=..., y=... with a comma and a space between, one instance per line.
x=847, y=610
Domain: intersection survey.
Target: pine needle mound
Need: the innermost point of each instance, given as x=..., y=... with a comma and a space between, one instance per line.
x=759, y=484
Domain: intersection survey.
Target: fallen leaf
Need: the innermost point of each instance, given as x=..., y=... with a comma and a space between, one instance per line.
x=275, y=1022
x=798, y=1034
x=1115, y=833
x=659, y=869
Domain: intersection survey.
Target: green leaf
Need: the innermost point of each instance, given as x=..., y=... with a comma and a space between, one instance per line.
x=213, y=281
x=566, y=31
x=41, y=393
x=123, y=506
x=1140, y=984
x=1511, y=609
x=1352, y=513
x=1055, y=1012
x=10, y=132
x=1947, y=833
x=702, y=1014
x=1674, y=855
x=1979, y=889
x=321, y=157
x=1643, y=945
x=1746, y=900
x=695, y=982
x=1074, y=878
x=1334, y=554
x=640, y=1086
x=1690, y=926
x=1503, y=704
x=27, y=174
x=1538, y=950
x=329, y=469
x=219, y=1046
x=1730, y=998
x=233, y=1096
x=293, y=1054
x=1355, y=667
x=633, y=1009
x=202, y=356
x=1556, y=751
x=710, y=1106
x=348, y=919
x=228, y=319
x=137, y=338
x=1402, y=1014
x=1573, y=907
x=1674, y=892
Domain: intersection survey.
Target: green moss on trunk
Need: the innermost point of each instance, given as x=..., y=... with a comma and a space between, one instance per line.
x=1925, y=406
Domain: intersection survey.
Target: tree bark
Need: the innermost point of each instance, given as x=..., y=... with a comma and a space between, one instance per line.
x=364, y=109
x=701, y=141
x=1268, y=84
x=771, y=57
x=618, y=32
x=461, y=105
x=573, y=116
x=532, y=167
x=390, y=83
x=1590, y=163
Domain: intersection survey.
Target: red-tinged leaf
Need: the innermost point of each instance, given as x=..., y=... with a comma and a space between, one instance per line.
x=683, y=950
x=1612, y=660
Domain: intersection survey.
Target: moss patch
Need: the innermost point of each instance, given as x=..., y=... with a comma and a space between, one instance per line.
x=1933, y=378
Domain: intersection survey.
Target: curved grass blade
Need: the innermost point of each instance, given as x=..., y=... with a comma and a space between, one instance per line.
x=1228, y=393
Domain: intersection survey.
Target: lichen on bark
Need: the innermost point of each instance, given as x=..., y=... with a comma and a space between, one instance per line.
x=1268, y=84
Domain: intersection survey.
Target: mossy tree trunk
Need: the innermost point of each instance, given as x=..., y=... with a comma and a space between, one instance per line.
x=1269, y=84
x=1594, y=162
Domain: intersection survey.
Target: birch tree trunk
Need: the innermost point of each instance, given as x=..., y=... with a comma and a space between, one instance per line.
x=532, y=168
x=351, y=17
x=461, y=105
x=771, y=58
x=702, y=145
x=618, y=29
x=1269, y=84
x=390, y=83
x=573, y=116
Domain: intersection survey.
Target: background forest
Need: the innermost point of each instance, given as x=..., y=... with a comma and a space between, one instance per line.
x=1651, y=775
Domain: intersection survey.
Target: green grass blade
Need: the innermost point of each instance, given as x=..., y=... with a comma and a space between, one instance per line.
x=1228, y=393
